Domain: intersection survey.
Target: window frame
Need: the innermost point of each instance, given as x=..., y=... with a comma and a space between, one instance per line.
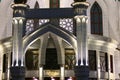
x=96, y=19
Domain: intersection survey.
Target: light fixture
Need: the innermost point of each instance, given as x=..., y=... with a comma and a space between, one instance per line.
x=35, y=78
x=52, y=73
x=70, y=78
x=52, y=78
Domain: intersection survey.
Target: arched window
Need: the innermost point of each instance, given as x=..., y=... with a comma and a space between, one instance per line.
x=54, y=3
x=36, y=5
x=4, y=63
x=96, y=19
x=36, y=21
x=33, y=24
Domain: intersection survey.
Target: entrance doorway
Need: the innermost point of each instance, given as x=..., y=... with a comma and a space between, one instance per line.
x=51, y=60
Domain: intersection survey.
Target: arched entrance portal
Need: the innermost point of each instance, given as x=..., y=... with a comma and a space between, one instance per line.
x=49, y=54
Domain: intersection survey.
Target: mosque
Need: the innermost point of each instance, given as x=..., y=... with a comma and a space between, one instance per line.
x=59, y=39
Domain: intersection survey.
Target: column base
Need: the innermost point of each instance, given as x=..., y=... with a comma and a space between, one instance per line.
x=81, y=72
x=17, y=73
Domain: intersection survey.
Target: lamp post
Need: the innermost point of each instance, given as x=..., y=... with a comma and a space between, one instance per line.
x=81, y=69
x=18, y=69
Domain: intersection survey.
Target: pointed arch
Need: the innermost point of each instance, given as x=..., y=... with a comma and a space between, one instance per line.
x=66, y=36
x=96, y=19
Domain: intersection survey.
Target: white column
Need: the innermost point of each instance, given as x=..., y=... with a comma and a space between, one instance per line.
x=114, y=65
x=1, y=68
x=1, y=64
x=20, y=42
x=1, y=61
x=84, y=40
x=98, y=65
x=62, y=72
x=15, y=54
x=81, y=34
x=9, y=63
x=78, y=34
x=41, y=73
x=17, y=41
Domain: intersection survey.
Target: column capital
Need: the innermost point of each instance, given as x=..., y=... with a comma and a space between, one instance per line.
x=80, y=4
x=19, y=10
x=81, y=18
x=18, y=18
x=80, y=8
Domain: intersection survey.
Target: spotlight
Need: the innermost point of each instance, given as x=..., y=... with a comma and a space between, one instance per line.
x=70, y=78
x=35, y=78
x=52, y=78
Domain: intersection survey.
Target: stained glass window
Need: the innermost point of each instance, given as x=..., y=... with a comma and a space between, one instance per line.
x=33, y=24
x=67, y=23
x=96, y=19
x=29, y=26
x=43, y=21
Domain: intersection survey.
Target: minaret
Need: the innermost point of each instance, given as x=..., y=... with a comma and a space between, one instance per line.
x=18, y=69
x=80, y=11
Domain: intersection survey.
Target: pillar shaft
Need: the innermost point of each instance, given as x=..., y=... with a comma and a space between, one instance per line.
x=82, y=40
x=98, y=65
x=8, y=63
x=18, y=70
x=17, y=42
x=81, y=70
x=62, y=72
x=109, y=66
x=41, y=72
x=80, y=9
x=1, y=65
x=18, y=24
